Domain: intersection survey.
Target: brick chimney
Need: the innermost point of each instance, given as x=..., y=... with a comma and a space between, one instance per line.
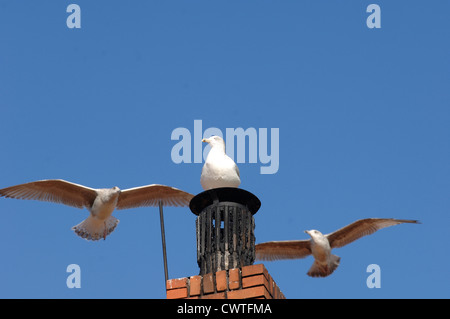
x=247, y=282
x=225, y=250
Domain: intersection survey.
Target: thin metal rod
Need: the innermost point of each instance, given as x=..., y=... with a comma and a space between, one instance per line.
x=163, y=238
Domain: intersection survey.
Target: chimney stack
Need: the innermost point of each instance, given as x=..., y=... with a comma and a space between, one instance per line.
x=225, y=229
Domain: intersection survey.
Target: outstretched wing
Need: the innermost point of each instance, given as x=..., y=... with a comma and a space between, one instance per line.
x=53, y=190
x=361, y=228
x=150, y=195
x=289, y=249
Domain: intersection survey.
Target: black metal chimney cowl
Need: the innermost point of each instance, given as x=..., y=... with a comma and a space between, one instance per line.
x=225, y=228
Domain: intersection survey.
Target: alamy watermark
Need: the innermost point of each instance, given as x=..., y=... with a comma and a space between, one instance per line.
x=256, y=140
x=74, y=279
x=374, y=279
x=73, y=21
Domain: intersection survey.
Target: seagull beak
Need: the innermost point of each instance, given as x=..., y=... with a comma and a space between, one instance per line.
x=205, y=140
x=307, y=232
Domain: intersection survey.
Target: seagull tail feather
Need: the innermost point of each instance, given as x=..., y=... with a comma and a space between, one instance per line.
x=320, y=270
x=94, y=229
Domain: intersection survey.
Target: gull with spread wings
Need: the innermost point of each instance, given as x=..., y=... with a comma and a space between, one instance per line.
x=100, y=202
x=320, y=245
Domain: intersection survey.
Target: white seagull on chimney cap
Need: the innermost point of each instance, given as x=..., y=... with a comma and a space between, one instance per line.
x=219, y=169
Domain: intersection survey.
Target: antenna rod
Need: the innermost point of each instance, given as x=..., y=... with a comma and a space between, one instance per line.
x=163, y=238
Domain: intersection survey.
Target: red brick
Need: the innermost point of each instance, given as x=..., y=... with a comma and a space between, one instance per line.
x=252, y=292
x=258, y=280
x=195, y=285
x=176, y=283
x=276, y=294
x=271, y=285
x=233, y=279
x=219, y=295
x=254, y=270
x=221, y=280
x=176, y=293
x=208, y=284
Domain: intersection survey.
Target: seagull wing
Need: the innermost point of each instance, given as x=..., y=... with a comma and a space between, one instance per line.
x=361, y=228
x=150, y=195
x=289, y=249
x=53, y=190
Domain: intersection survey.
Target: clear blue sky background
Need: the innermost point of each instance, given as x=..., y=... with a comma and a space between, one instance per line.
x=363, y=115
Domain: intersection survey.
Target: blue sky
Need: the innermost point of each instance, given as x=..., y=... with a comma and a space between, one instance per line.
x=363, y=117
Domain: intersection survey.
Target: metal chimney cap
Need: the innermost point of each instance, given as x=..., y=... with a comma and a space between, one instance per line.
x=224, y=194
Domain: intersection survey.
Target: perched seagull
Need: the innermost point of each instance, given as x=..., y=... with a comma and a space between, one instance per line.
x=219, y=169
x=100, y=202
x=320, y=245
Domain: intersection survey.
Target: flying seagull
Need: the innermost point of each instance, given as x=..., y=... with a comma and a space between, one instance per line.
x=219, y=169
x=320, y=245
x=100, y=202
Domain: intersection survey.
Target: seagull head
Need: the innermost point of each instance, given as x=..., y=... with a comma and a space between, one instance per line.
x=314, y=233
x=109, y=194
x=215, y=141
x=115, y=191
